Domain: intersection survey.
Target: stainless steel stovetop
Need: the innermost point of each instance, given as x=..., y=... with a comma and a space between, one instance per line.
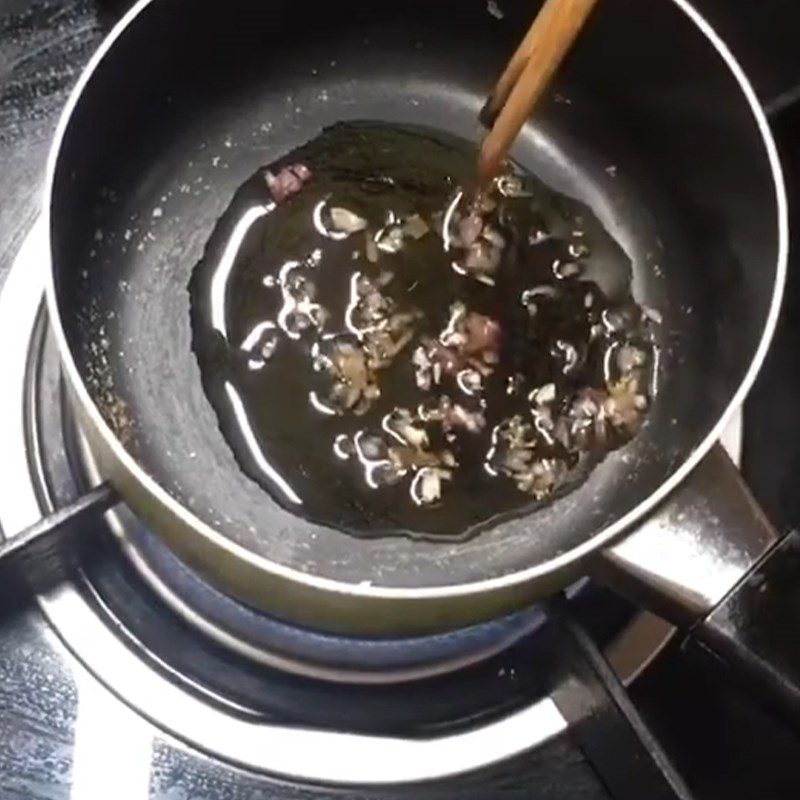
x=127, y=679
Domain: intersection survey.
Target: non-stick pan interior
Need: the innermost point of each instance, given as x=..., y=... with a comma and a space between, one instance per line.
x=647, y=124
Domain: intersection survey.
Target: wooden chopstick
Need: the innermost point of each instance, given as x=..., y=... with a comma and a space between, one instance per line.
x=502, y=89
x=526, y=76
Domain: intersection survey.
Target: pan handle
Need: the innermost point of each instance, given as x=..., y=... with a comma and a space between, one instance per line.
x=754, y=633
x=709, y=561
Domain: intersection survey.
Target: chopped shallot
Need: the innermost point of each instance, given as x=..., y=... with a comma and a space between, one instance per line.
x=469, y=229
x=625, y=404
x=426, y=488
x=550, y=419
x=288, y=182
x=346, y=221
x=470, y=342
x=415, y=227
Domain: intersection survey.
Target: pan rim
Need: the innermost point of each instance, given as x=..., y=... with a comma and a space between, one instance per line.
x=562, y=563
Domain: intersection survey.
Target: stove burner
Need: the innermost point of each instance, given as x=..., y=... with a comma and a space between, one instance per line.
x=478, y=696
x=247, y=632
x=303, y=651
x=275, y=643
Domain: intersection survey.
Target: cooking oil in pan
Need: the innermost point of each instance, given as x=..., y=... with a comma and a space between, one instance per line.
x=387, y=354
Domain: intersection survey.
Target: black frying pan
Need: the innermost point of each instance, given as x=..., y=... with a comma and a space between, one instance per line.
x=183, y=87
x=651, y=123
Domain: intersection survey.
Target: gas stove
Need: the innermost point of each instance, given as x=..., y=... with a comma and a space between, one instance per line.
x=248, y=689
x=123, y=674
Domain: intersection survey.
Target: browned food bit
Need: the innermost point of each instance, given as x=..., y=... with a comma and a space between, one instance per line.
x=426, y=488
x=569, y=357
x=586, y=419
x=414, y=442
x=629, y=358
x=368, y=307
x=456, y=416
x=473, y=233
x=374, y=458
x=408, y=450
x=469, y=347
x=378, y=334
x=483, y=336
x=406, y=457
x=433, y=360
x=625, y=404
x=299, y=311
x=371, y=249
x=452, y=416
x=543, y=477
x=390, y=239
x=481, y=260
x=519, y=452
x=355, y=386
x=416, y=227
x=402, y=426
x=386, y=342
x=289, y=181
x=345, y=221
x=469, y=229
